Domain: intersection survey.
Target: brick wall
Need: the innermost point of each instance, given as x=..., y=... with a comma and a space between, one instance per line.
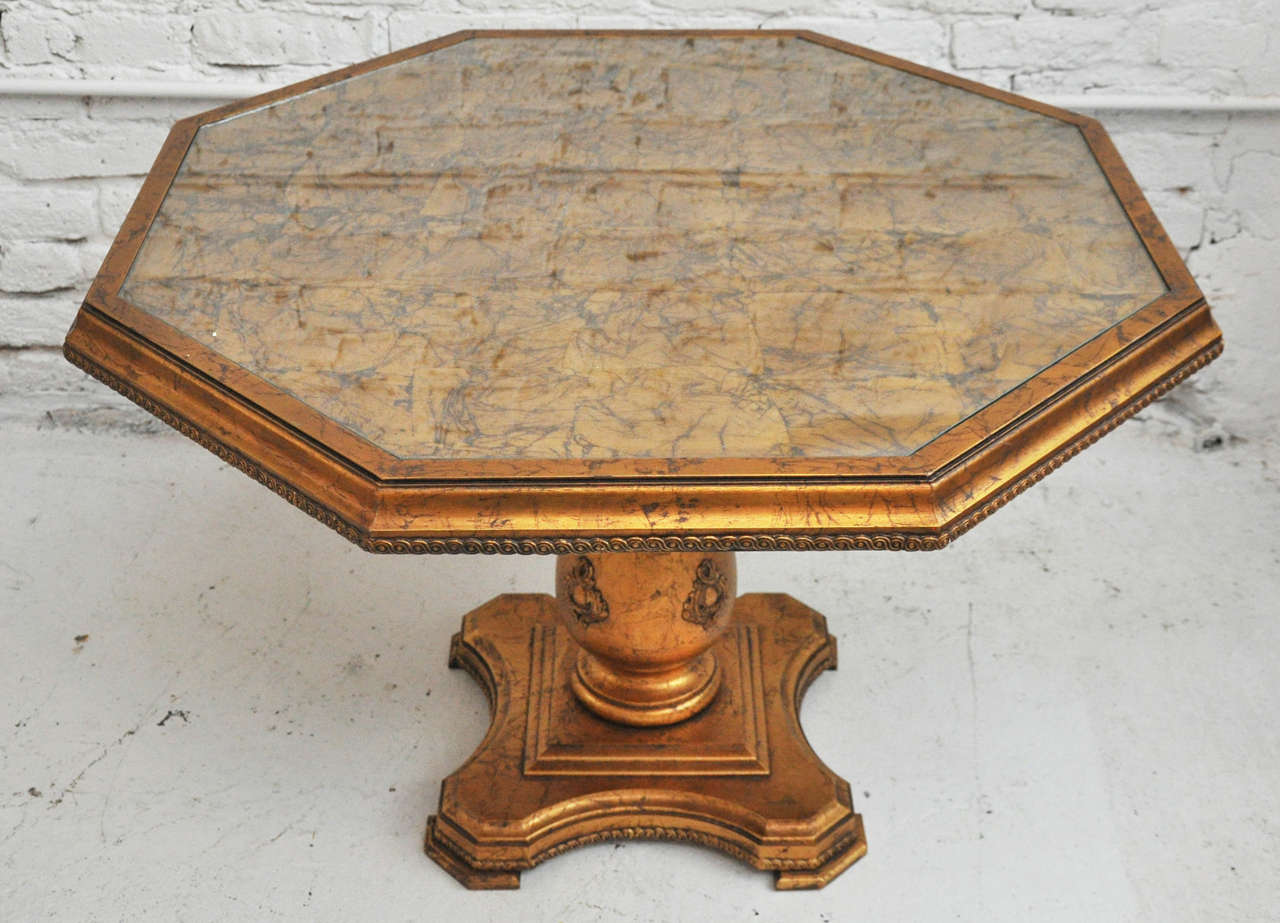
x=70, y=165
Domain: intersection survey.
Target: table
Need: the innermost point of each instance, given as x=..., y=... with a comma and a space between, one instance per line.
x=642, y=300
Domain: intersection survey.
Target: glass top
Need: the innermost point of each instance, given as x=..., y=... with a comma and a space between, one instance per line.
x=648, y=247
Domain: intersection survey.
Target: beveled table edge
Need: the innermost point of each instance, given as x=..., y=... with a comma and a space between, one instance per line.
x=562, y=517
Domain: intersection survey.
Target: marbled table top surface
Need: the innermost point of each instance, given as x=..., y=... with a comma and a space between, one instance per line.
x=647, y=247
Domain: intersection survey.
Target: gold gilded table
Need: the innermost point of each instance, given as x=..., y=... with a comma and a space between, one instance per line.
x=642, y=300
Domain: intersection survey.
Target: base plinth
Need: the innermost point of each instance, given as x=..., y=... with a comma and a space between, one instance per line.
x=739, y=776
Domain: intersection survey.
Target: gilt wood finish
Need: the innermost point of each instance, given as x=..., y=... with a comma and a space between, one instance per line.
x=645, y=625
x=700, y=781
x=918, y=498
x=673, y=294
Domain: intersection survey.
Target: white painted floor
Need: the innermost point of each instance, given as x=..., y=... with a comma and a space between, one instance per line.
x=216, y=709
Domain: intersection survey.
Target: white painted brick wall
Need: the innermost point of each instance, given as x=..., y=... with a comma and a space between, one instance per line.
x=69, y=166
x=269, y=39
x=1230, y=46
x=38, y=266
x=47, y=213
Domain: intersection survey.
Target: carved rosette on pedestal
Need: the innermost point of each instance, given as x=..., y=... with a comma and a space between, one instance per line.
x=645, y=701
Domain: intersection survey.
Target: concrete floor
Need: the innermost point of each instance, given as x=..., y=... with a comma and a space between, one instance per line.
x=214, y=708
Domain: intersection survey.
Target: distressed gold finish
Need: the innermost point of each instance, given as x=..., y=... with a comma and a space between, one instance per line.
x=1062, y=332
x=642, y=300
x=739, y=776
x=649, y=661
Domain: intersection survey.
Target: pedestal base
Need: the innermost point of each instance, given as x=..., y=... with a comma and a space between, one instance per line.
x=551, y=775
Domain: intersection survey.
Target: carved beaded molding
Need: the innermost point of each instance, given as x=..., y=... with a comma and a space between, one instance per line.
x=855, y=541
x=647, y=832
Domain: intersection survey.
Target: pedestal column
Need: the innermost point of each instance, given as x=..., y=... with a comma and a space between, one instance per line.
x=646, y=624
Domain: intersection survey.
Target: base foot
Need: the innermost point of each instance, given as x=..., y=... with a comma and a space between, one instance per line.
x=551, y=775
x=812, y=879
x=473, y=878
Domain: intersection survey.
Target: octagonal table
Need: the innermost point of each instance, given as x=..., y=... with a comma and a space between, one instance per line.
x=642, y=300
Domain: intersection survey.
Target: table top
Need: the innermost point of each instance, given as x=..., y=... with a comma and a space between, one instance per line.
x=641, y=289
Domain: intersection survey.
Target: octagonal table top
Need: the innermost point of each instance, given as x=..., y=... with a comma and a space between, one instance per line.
x=532, y=291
